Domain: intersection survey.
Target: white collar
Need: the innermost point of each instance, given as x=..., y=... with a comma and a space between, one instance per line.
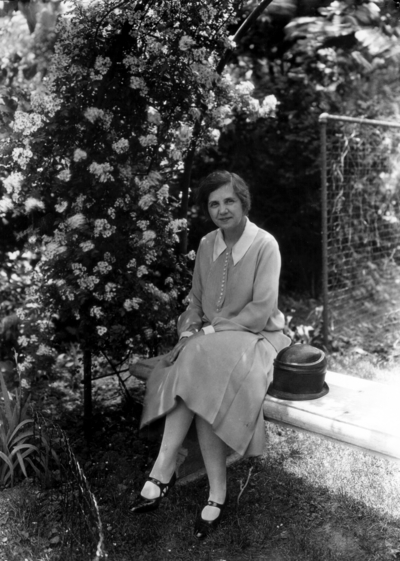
x=241, y=246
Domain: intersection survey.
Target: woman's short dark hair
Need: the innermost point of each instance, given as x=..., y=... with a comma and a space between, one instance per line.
x=218, y=179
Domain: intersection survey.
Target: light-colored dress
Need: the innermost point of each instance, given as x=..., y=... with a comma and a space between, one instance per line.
x=224, y=375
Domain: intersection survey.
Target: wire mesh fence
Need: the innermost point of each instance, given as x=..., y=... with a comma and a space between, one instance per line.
x=78, y=532
x=361, y=222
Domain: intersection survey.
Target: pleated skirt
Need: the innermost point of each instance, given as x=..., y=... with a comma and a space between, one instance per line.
x=223, y=377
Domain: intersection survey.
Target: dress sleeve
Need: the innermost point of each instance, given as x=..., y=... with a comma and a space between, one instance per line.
x=192, y=317
x=256, y=314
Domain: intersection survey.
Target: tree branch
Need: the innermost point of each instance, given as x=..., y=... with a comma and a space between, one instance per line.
x=185, y=182
x=241, y=31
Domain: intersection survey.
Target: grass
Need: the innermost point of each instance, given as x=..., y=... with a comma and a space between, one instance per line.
x=305, y=499
x=21, y=539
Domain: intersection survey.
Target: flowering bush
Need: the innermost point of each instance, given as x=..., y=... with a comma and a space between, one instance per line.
x=93, y=158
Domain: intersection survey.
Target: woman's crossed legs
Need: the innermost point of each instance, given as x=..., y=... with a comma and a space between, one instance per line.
x=213, y=449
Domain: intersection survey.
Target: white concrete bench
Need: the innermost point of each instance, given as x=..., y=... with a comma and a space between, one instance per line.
x=356, y=412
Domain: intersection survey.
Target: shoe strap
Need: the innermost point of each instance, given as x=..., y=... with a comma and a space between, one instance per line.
x=164, y=487
x=213, y=503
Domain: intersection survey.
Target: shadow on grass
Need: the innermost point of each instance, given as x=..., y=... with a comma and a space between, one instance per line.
x=280, y=516
x=306, y=499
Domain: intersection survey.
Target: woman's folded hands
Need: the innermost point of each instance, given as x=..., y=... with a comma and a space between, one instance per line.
x=181, y=344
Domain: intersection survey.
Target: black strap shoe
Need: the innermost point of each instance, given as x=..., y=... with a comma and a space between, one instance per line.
x=142, y=505
x=204, y=527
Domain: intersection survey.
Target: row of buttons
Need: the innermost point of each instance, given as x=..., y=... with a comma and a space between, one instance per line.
x=221, y=296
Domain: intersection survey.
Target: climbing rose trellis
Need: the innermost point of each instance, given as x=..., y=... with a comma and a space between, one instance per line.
x=93, y=158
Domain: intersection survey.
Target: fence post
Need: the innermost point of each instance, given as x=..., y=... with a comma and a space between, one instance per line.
x=323, y=119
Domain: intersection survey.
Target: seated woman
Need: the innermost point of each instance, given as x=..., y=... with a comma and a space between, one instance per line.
x=220, y=370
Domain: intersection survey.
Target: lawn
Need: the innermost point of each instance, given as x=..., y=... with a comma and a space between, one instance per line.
x=305, y=499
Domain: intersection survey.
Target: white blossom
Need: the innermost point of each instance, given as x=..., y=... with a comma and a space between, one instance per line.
x=148, y=140
x=230, y=43
x=97, y=312
x=142, y=270
x=22, y=156
x=31, y=203
x=132, y=304
x=268, y=106
x=101, y=171
x=244, y=88
x=89, y=282
x=148, y=235
x=137, y=83
x=186, y=43
x=215, y=135
x=146, y=201
x=103, y=228
x=79, y=155
x=111, y=290
x=163, y=193
x=76, y=221
x=44, y=350
x=12, y=183
x=6, y=205
x=177, y=225
x=102, y=267
x=185, y=133
x=143, y=224
x=121, y=146
x=60, y=207
x=45, y=101
x=64, y=175
x=102, y=64
x=153, y=116
x=27, y=123
x=94, y=114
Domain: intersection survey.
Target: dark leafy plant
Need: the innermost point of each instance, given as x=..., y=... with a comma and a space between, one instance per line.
x=16, y=437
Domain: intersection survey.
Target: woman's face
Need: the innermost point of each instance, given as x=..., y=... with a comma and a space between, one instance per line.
x=225, y=209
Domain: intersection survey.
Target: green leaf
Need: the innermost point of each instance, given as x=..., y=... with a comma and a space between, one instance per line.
x=29, y=448
x=21, y=436
x=7, y=401
x=6, y=459
x=35, y=468
x=6, y=474
x=21, y=464
x=19, y=427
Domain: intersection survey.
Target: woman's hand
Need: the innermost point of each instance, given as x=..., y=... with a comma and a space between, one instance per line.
x=181, y=344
